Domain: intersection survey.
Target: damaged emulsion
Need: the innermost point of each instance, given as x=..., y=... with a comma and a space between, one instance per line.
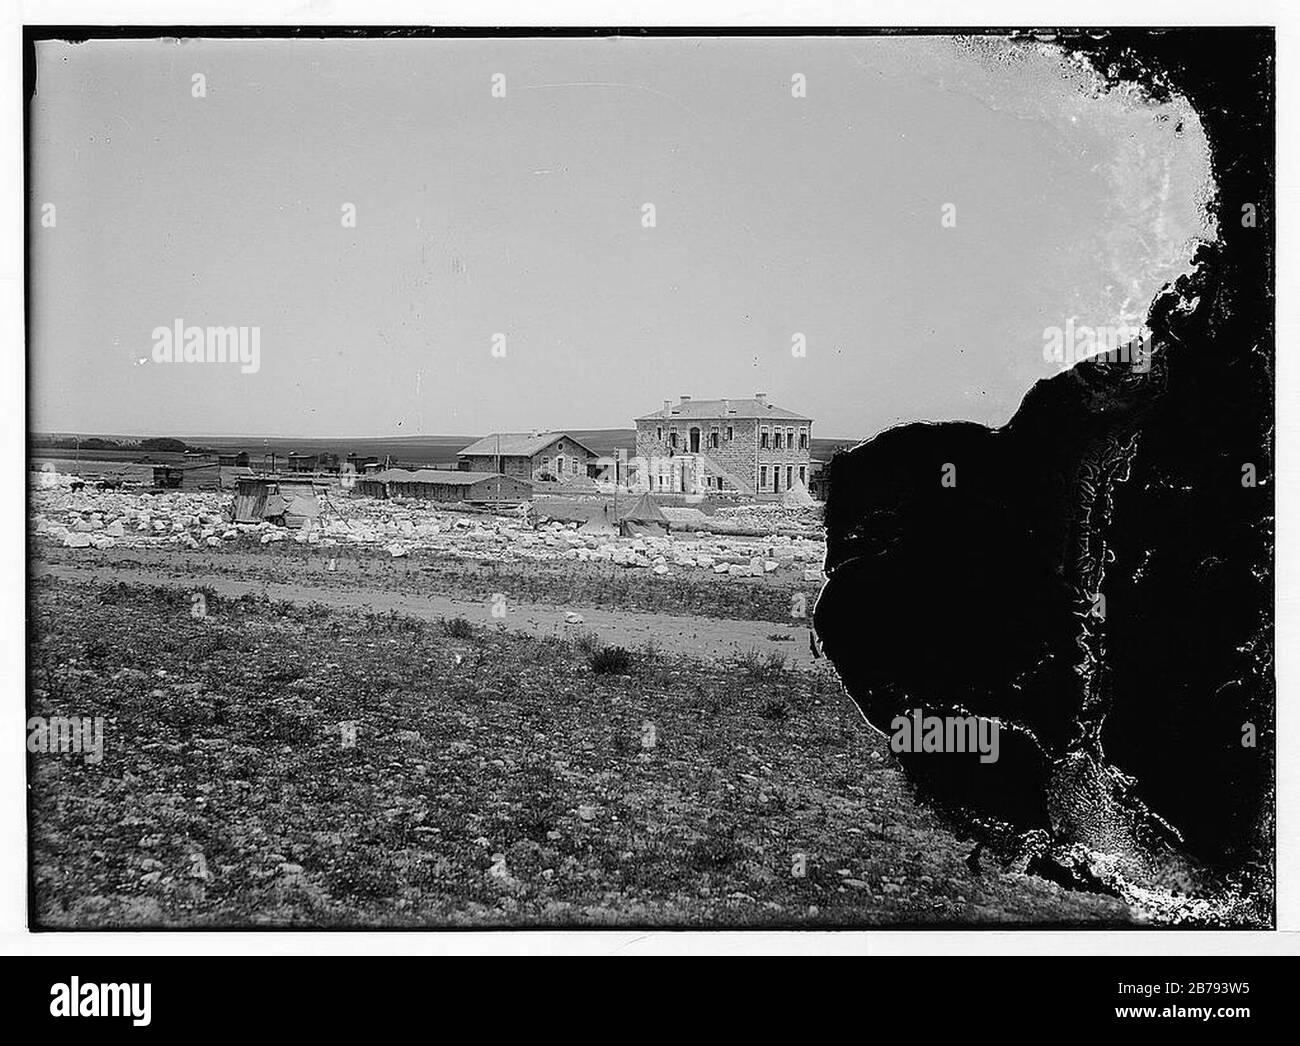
x=1136, y=743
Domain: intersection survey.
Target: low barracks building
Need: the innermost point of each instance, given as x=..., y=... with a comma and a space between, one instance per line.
x=748, y=445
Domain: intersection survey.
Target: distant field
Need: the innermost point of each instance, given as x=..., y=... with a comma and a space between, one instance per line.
x=98, y=454
x=417, y=450
x=100, y=463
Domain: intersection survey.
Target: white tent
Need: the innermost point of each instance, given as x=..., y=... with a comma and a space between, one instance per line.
x=598, y=525
x=798, y=497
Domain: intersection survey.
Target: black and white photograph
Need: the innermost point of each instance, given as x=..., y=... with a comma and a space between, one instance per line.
x=649, y=479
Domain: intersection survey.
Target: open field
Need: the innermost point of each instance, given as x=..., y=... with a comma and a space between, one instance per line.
x=507, y=768
x=496, y=778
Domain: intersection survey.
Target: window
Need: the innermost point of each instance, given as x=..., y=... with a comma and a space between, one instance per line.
x=803, y=475
x=789, y=476
x=789, y=438
x=672, y=440
x=762, y=478
x=713, y=440
x=559, y=465
x=659, y=434
x=731, y=433
x=778, y=439
x=803, y=439
x=763, y=440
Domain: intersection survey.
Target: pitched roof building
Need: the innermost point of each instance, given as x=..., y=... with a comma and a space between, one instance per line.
x=535, y=456
x=746, y=445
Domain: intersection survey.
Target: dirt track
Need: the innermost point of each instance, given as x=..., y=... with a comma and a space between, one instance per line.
x=695, y=636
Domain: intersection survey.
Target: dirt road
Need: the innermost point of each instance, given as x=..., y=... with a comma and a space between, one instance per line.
x=702, y=637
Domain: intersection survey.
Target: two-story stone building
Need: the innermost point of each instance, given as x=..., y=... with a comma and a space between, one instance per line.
x=746, y=445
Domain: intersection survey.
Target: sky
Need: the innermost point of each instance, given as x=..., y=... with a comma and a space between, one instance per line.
x=920, y=214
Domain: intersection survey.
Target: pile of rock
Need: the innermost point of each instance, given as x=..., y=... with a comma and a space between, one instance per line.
x=87, y=518
x=90, y=518
x=769, y=518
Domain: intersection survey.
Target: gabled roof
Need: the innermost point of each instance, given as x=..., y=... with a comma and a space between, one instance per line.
x=710, y=410
x=517, y=444
x=449, y=477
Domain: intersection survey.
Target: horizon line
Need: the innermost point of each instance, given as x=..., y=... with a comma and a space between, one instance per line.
x=299, y=436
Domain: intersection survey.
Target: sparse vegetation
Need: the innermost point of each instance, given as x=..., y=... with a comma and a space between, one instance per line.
x=611, y=660
x=494, y=778
x=562, y=583
x=457, y=628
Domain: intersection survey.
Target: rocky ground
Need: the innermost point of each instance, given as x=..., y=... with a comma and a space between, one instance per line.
x=501, y=772
x=273, y=764
x=92, y=518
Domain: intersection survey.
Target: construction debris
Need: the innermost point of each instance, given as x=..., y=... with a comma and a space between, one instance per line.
x=90, y=518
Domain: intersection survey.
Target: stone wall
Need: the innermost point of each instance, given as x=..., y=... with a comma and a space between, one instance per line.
x=736, y=455
x=510, y=466
x=576, y=460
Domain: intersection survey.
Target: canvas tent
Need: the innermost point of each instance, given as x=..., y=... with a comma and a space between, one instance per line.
x=797, y=497
x=599, y=524
x=643, y=519
x=301, y=508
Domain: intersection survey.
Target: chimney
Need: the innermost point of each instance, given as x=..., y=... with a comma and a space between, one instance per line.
x=686, y=399
x=726, y=406
x=762, y=398
x=668, y=405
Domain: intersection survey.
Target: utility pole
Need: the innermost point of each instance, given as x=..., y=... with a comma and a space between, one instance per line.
x=618, y=459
